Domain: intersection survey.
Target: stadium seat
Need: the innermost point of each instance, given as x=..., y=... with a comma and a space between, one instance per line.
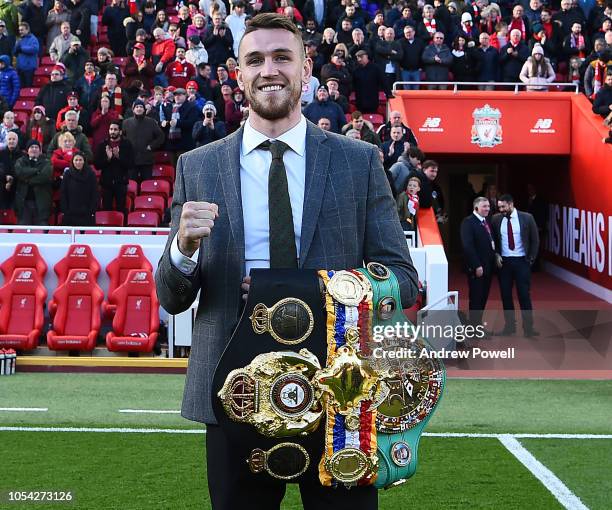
x=46, y=61
x=21, y=119
x=77, y=321
x=164, y=171
x=43, y=70
x=143, y=219
x=130, y=257
x=120, y=61
x=136, y=322
x=24, y=105
x=8, y=217
x=22, y=316
x=155, y=187
x=109, y=218
x=29, y=93
x=40, y=80
x=132, y=189
x=375, y=118
x=153, y=203
x=348, y=117
x=25, y=255
x=163, y=157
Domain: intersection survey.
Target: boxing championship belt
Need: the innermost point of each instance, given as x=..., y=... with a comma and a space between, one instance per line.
x=415, y=382
x=264, y=396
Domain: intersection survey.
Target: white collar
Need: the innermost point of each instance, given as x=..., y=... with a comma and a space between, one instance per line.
x=295, y=138
x=480, y=218
x=514, y=214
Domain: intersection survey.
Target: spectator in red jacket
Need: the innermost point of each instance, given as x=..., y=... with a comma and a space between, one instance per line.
x=180, y=71
x=62, y=156
x=234, y=111
x=162, y=53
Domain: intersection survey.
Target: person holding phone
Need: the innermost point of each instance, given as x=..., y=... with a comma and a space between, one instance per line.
x=209, y=130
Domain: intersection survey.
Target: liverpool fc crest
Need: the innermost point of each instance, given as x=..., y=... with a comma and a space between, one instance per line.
x=486, y=130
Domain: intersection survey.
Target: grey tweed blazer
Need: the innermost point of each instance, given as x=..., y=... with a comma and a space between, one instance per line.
x=349, y=217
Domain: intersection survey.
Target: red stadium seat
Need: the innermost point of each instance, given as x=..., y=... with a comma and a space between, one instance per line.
x=22, y=316
x=77, y=321
x=24, y=105
x=61, y=231
x=8, y=217
x=40, y=80
x=25, y=255
x=43, y=70
x=28, y=231
x=21, y=119
x=143, y=219
x=100, y=232
x=120, y=61
x=153, y=203
x=155, y=187
x=79, y=256
x=109, y=218
x=130, y=257
x=132, y=190
x=375, y=119
x=136, y=322
x=382, y=97
x=46, y=61
x=165, y=172
x=163, y=157
x=29, y=93
x=348, y=117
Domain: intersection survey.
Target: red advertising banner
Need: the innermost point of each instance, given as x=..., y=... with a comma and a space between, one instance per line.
x=474, y=122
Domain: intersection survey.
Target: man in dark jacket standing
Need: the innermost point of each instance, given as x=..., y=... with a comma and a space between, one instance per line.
x=115, y=159
x=146, y=136
x=113, y=17
x=368, y=80
x=184, y=115
x=53, y=96
x=8, y=158
x=478, y=257
x=517, y=243
x=218, y=42
x=323, y=107
x=33, y=176
x=602, y=105
x=512, y=57
x=487, y=61
x=437, y=59
x=209, y=130
x=412, y=49
x=387, y=56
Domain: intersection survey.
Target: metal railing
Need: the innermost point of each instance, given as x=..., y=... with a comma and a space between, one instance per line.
x=457, y=84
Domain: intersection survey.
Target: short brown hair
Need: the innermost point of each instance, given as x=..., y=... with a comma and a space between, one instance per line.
x=356, y=115
x=429, y=163
x=270, y=21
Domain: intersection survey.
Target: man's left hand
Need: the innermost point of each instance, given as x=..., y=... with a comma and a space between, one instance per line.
x=246, y=283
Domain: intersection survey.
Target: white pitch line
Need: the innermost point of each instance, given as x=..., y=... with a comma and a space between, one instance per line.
x=517, y=435
x=25, y=409
x=149, y=411
x=555, y=486
x=102, y=430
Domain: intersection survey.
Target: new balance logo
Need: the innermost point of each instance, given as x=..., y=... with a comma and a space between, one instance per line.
x=432, y=125
x=25, y=250
x=79, y=250
x=543, y=126
x=140, y=276
x=130, y=251
x=25, y=275
x=80, y=276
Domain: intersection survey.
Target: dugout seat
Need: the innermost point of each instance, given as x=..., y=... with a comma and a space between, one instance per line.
x=25, y=255
x=130, y=257
x=22, y=316
x=79, y=256
x=77, y=319
x=136, y=322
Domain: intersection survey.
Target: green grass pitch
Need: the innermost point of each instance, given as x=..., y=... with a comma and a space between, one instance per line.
x=133, y=471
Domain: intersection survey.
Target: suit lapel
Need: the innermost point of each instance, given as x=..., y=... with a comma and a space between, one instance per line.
x=230, y=181
x=317, y=165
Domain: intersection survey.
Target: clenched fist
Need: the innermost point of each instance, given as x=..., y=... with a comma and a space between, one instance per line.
x=197, y=221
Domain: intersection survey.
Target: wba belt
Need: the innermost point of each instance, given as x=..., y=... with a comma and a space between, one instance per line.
x=299, y=380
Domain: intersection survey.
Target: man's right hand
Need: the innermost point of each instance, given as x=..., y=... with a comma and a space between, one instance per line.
x=479, y=271
x=197, y=221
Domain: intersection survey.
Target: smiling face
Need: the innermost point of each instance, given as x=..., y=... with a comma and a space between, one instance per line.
x=272, y=70
x=78, y=162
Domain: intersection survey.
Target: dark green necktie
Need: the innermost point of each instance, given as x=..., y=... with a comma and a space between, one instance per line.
x=282, y=236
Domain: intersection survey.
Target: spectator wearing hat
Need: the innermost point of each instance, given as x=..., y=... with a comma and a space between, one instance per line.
x=210, y=129
x=40, y=127
x=73, y=105
x=363, y=127
x=74, y=59
x=429, y=25
x=26, y=50
x=184, y=116
x=180, y=71
x=8, y=125
x=337, y=68
x=368, y=80
x=236, y=22
x=145, y=136
x=143, y=38
x=33, y=186
x=602, y=104
x=468, y=28
x=537, y=70
x=115, y=159
x=323, y=107
x=87, y=85
x=234, y=110
x=71, y=119
x=53, y=96
x=219, y=42
x=105, y=64
x=224, y=77
x=101, y=119
x=196, y=54
x=318, y=61
x=10, y=84
x=193, y=95
x=55, y=17
x=79, y=193
x=61, y=44
x=138, y=67
x=334, y=94
x=162, y=53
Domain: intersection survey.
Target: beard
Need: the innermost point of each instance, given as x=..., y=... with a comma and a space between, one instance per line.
x=276, y=107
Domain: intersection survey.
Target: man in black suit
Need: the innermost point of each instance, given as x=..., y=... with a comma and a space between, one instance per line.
x=479, y=257
x=517, y=243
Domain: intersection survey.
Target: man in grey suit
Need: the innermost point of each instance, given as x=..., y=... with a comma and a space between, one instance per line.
x=516, y=243
x=342, y=211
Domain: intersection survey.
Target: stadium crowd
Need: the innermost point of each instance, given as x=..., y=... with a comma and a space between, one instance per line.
x=89, y=93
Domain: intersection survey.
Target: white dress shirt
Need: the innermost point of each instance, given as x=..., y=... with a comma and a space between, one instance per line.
x=254, y=170
x=519, y=250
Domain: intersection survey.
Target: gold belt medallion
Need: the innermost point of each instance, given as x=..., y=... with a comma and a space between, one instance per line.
x=284, y=461
x=290, y=321
x=348, y=288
